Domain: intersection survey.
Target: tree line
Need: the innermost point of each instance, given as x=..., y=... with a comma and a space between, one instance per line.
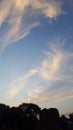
x=29, y=116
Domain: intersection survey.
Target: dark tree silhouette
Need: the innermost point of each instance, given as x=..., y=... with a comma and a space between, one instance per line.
x=71, y=116
x=24, y=117
x=49, y=119
x=30, y=109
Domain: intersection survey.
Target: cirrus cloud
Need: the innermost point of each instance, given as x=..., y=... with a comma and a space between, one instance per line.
x=56, y=71
x=20, y=83
x=43, y=95
x=15, y=17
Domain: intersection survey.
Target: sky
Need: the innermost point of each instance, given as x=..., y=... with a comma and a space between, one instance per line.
x=36, y=53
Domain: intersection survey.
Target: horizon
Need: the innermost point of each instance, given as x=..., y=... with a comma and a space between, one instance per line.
x=66, y=114
x=36, y=53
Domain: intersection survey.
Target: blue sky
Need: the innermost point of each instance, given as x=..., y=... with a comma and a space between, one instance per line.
x=36, y=53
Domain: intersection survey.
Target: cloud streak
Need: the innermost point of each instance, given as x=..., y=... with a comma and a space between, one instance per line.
x=56, y=72
x=15, y=21
x=57, y=66
x=42, y=96
x=20, y=83
x=50, y=66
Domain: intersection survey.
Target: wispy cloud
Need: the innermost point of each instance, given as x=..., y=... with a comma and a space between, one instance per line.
x=58, y=63
x=56, y=71
x=50, y=9
x=51, y=65
x=37, y=95
x=40, y=95
x=15, y=16
x=20, y=83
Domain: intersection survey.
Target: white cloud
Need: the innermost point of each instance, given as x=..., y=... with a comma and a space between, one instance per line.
x=36, y=95
x=20, y=83
x=50, y=9
x=15, y=16
x=57, y=65
x=41, y=96
x=4, y=12
x=14, y=34
x=50, y=67
x=56, y=70
x=52, y=64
